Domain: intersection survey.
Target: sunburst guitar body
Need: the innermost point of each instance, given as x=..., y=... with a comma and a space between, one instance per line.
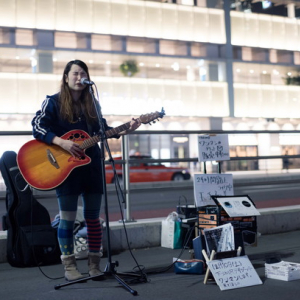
x=45, y=167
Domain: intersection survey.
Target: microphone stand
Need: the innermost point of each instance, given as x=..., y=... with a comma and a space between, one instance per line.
x=110, y=270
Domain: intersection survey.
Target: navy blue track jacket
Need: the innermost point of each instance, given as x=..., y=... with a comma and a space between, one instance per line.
x=47, y=124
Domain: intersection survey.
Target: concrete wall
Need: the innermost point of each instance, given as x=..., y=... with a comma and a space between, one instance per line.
x=146, y=233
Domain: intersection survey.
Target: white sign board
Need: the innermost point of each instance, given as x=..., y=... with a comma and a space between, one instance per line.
x=213, y=147
x=239, y=206
x=207, y=185
x=233, y=273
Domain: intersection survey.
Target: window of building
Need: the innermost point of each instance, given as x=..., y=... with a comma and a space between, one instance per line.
x=65, y=40
x=237, y=52
x=297, y=58
x=253, y=54
x=4, y=36
x=212, y=51
x=172, y=47
x=16, y=60
x=82, y=40
x=24, y=37
x=101, y=42
x=259, y=54
x=265, y=78
x=242, y=151
x=284, y=56
x=140, y=45
x=264, y=73
x=70, y=40
x=106, y=42
x=198, y=49
x=273, y=56
x=213, y=72
x=117, y=43
x=246, y=54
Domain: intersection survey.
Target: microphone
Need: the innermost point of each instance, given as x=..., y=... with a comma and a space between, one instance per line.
x=86, y=81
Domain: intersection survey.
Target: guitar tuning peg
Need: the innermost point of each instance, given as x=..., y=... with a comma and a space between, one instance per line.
x=150, y=123
x=158, y=120
x=154, y=122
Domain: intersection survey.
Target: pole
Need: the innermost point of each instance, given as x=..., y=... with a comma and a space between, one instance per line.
x=126, y=178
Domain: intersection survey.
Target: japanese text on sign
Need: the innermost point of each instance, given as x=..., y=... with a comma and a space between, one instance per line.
x=213, y=147
x=236, y=272
x=207, y=185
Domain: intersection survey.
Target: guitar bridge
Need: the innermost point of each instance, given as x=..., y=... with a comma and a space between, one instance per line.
x=52, y=159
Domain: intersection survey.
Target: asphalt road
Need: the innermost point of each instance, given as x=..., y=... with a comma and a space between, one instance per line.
x=159, y=202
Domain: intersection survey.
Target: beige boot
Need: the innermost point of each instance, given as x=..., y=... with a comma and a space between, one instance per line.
x=94, y=263
x=71, y=272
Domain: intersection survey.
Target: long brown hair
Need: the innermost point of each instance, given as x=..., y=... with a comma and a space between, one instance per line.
x=69, y=109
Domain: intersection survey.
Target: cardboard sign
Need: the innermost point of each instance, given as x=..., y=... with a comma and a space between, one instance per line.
x=213, y=147
x=233, y=273
x=237, y=206
x=207, y=185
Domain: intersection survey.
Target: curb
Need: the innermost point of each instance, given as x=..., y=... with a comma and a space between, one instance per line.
x=146, y=233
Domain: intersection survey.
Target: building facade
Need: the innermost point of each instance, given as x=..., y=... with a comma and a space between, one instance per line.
x=209, y=64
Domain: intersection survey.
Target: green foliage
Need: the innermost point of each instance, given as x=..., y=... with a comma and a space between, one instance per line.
x=292, y=80
x=129, y=68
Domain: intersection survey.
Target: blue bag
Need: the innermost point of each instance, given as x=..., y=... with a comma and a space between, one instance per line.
x=192, y=266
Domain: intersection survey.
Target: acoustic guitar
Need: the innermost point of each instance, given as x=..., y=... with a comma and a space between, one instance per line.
x=45, y=167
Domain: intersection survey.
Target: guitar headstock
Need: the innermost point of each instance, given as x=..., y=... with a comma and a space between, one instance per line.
x=147, y=118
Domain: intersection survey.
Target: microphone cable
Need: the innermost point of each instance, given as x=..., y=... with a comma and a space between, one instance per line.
x=140, y=268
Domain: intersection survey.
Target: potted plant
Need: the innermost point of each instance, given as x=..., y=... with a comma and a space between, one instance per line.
x=292, y=80
x=129, y=68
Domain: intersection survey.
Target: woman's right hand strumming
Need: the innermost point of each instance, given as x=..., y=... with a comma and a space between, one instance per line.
x=73, y=148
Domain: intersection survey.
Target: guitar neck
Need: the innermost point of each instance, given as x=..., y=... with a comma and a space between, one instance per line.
x=117, y=130
x=109, y=133
x=145, y=119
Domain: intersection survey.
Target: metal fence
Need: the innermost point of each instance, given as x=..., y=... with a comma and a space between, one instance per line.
x=126, y=161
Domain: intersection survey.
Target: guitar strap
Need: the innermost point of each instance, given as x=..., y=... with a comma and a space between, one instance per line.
x=90, y=130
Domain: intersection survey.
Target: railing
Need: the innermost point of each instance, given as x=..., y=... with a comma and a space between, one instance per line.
x=126, y=161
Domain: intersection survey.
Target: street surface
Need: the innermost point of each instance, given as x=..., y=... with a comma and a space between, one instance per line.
x=159, y=202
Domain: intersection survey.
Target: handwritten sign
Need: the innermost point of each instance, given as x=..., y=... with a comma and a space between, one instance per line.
x=213, y=147
x=207, y=185
x=235, y=272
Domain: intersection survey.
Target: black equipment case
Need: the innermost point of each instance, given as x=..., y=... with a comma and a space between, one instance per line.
x=31, y=240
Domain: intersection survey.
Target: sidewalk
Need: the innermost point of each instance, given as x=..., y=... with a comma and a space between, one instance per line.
x=31, y=284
